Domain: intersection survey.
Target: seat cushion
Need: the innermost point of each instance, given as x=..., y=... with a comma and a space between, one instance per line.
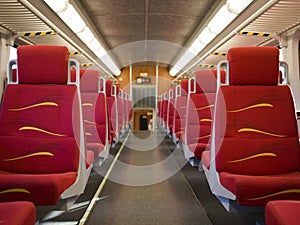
x=95, y=147
x=282, y=212
x=17, y=213
x=198, y=149
x=258, y=190
x=41, y=189
x=89, y=158
x=205, y=159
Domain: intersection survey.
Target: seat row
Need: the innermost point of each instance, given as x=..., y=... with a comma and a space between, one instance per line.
x=54, y=122
x=242, y=129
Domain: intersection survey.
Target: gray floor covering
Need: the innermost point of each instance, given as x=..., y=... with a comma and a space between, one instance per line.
x=151, y=183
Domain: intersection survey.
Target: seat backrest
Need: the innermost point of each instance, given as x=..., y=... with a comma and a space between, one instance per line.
x=255, y=124
x=170, y=110
x=180, y=102
x=40, y=115
x=94, y=106
x=120, y=108
x=112, y=109
x=165, y=108
x=200, y=106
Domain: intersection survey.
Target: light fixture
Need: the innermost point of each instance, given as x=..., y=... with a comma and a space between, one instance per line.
x=237, y=6
x=206, y=36
x=221, y=20
x=174, y=71
x=86, y=35
x=196, y=47
x=225, y=15
x=71, y=17
x=94, y=45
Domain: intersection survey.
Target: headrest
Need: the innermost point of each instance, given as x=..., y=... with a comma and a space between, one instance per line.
x=257, y=65
x=108, y=87
x=184, y=87
x=42, y=64
x=207, y=81
x=89, y=80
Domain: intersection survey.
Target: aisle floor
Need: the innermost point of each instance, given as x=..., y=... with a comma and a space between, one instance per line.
x=147, y=181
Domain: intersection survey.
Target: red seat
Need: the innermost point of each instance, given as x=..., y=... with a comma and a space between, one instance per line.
x=111, y=109
x=282, y=212
x=255, y=149
x=94, y=108
x=121, y=116
x=17, y=213
x=41, y=145
x=126, y=109
x=180, y=110
x=159, y=109
x=170, y=110
x=115, y=111
x=200, y=108
x=165, y=109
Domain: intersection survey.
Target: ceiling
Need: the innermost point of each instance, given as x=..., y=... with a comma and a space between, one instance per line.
x=147, y=31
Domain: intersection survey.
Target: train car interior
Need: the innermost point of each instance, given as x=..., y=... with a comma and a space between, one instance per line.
x=148, y=112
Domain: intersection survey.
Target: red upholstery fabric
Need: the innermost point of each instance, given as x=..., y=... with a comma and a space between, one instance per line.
x=125, y=110
x=245, y=128
x=89, y=80
x=205, y=159
x=260, y=60
x=180, y=109
x=258, y=190
x=184, y=84
x=89, y=158
x=35, y=64
x=41, y=189
x=200, y=111
x=39, y=129
x=112, y=109
x=256, y=136
x=170, y=113
x=94, y=117
x=108, y=87
x=20, y=128
x=120, y=110
x=94, y=110
x=17, y=213
x=165, y=109
x=282, y=212
x=95, y=148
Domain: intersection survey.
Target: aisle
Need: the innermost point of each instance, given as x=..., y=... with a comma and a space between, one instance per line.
x=146, y=186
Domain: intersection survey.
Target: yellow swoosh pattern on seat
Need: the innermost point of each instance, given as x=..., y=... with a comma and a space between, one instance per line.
x=41, y=130
x=35, y=105
x=206, y=120
x=91, y=122
x=275, y=194
x=14, y=190
x=87, y=104
x=251, y=107
x=254, y=156
x=88, y=134
x=259, y=131
x=205, y=107
x=30, y=155
x=202, y=137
